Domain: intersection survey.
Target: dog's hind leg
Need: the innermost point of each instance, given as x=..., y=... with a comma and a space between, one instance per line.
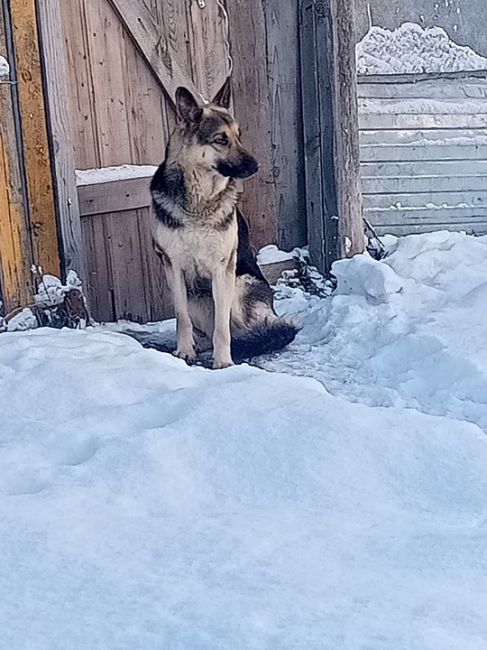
x=223, y=288
x=185, y=337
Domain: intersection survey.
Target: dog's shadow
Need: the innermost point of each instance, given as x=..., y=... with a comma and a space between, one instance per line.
x=166, y=342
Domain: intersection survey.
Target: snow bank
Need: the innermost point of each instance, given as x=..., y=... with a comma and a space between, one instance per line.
x=410, y=331
x=4, y=67
x=413, y=49
x=108, y=174
x=145, y=504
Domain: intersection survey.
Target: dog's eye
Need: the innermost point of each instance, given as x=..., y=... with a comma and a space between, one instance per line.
x=221, y=140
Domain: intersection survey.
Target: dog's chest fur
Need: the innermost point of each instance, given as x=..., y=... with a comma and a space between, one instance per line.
x=197, y=248
x=196, y=237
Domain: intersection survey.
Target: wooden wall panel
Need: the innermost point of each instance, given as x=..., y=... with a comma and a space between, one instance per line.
x=125, y=276
x=267, y=101
x=253, y=111
x=106, y=45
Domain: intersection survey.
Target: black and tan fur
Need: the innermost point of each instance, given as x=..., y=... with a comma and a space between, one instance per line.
x=220, y=295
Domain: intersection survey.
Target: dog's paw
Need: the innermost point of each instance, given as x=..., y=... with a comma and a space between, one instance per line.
x=188, y=355
x=219, y=364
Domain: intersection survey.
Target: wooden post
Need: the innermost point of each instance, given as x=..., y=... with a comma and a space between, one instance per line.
x=347, y=145
x=15, y=244
x=57, y=98
x=35, y=140
x=330, y=119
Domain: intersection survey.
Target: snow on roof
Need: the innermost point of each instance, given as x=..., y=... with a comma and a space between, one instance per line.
x=413, y=49
x=107, y=174
x=4, y=67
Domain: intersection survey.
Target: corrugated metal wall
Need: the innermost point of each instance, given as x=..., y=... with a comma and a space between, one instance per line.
x=424, y=153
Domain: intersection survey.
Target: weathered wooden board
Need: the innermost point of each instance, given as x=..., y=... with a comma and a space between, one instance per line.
x=401, y=229
x=253, y=111
x=425, y=168
x=125, y=277
x=454, y=198
x=409, y=185
x=115, y=196
x=99, y=283
x=57, y=97
x=35, y=140
x=282, y=55
x=426, y=89
x=410, y=136
x=15, y=245
x=379, y=121
x=405, y=153
x=330, y=116
x=439, y=215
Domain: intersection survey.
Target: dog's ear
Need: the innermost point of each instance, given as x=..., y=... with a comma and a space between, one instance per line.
x=223, y=96
x=188, y=108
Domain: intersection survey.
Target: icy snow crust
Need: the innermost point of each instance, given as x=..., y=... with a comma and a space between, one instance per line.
x=413, y=49
x=149, y=505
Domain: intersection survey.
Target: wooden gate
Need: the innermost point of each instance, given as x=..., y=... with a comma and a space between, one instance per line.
x=124, y=60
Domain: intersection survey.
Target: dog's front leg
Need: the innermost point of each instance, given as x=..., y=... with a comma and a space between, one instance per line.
x=185, y=336
x=223, y=287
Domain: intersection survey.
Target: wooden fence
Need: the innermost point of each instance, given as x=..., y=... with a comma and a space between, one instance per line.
x=124, y=60
x=93, y=85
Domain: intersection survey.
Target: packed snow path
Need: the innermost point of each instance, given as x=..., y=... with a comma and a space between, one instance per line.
x=149, y=505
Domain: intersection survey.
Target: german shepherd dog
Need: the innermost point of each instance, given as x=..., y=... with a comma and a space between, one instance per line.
x=220, y=295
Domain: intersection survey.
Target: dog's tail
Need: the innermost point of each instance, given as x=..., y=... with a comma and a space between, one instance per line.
x=263, y=338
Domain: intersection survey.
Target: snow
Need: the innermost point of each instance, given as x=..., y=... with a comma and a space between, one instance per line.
x=408, y=332
x=146, y=504
x=272, y=254
x=109, y=174
x=24, y=320
x=4, y=67
x=413, y=49
x=51, y=290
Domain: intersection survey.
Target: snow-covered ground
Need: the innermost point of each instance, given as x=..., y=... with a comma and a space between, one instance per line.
x=150, y=505
x=413, y=49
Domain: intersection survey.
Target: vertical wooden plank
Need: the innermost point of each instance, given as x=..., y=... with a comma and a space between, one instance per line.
x=331, y=131
x=55, y=73
x=158, y=296
x=99, y=282
x=15, y=245
x=81, y=86
x=253, y=111
x=106, y=47
x=210, y=52
x=347, y=147
x=35, y=137
x=124, y=250
x=147, y=119
x=283, y=73
x=312, y=137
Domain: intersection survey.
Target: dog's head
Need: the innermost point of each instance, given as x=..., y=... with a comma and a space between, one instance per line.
x=211, y=135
